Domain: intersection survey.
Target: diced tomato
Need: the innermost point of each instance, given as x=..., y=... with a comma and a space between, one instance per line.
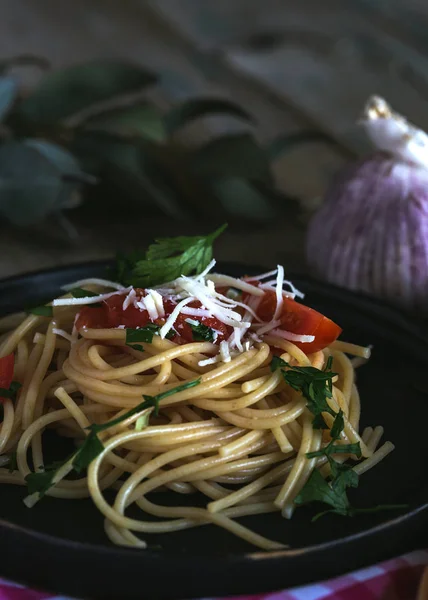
x=300, y=319
x=111, y=314
x=6, y=371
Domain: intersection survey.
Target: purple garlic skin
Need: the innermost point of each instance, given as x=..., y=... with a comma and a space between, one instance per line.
x=371, y=234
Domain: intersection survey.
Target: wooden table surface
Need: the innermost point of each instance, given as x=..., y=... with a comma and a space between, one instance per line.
x=295, y=65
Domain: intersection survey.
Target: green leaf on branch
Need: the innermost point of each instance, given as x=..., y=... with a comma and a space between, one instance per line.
x=8, y=93
x=68, y=91
x=33, y=180
x=182, y=114
x=142, y=119
x=234, y=155
x=285, y=143
x=241, y=198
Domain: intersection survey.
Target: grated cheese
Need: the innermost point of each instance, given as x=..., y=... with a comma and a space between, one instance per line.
x=235, y=283
x=293, y=337
x=130, y=299
x=225, y=351
x=93, y=281
x=151, y=306
x=62, y=333
x=87, y=300
x=169, y=323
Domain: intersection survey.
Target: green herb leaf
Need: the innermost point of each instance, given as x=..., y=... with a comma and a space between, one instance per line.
x=11, y=391
x=316, y=489
x=88, y=451
x=338, y=425
x=277, y=363
x=13, y=464
x=143, y=334
x=378, y=508
x=81, y=293
x=201, y=332
x=138, y=347
x=314, y=384
x=149, y=402
x=92, y=445
x=167, y=259
x=41, y=481
x=182, y=114
x=142, y=422
x=337, y=449
x=42, y=311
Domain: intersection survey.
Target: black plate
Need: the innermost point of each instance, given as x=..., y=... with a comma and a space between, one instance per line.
x=60, y=544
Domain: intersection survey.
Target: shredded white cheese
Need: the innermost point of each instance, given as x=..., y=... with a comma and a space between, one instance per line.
x=93, y=281
x=225, y=351
x=293, y=337
x=130, y=299
x=62, y=333
x=169, y=323
x=87, y=300
x=151, y=306
x=278, y=291
x=239, y=284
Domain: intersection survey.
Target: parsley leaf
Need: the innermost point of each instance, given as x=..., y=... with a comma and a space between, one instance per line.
x=79, y=292
x=337, y=449
x=314, y=384
x=167, y=259
x=12, y=465
x=42, y=480
x=201, y=332
x=92, y=446
x=316, y=489
x=88, y=451
x=42, y=311
x=12, y=391
x=144, y=334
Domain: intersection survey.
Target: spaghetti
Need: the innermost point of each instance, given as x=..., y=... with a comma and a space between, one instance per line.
x=222, y=422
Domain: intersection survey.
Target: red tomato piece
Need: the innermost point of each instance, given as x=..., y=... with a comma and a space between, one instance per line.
x=111, y=314
x=6, y=371
x=300, y=319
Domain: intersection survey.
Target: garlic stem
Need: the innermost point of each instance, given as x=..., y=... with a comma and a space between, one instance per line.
x=392, y=133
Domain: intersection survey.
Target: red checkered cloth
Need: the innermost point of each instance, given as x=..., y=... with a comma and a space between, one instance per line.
x=396, y=579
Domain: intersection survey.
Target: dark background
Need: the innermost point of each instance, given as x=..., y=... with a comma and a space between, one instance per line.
x=296, y=65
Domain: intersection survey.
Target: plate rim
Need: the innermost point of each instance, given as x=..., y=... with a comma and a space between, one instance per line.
x=410, y=521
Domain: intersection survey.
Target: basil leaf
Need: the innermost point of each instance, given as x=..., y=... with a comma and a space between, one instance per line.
x=42, y=311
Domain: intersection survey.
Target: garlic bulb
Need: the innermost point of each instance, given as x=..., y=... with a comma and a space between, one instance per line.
x=371, y=233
